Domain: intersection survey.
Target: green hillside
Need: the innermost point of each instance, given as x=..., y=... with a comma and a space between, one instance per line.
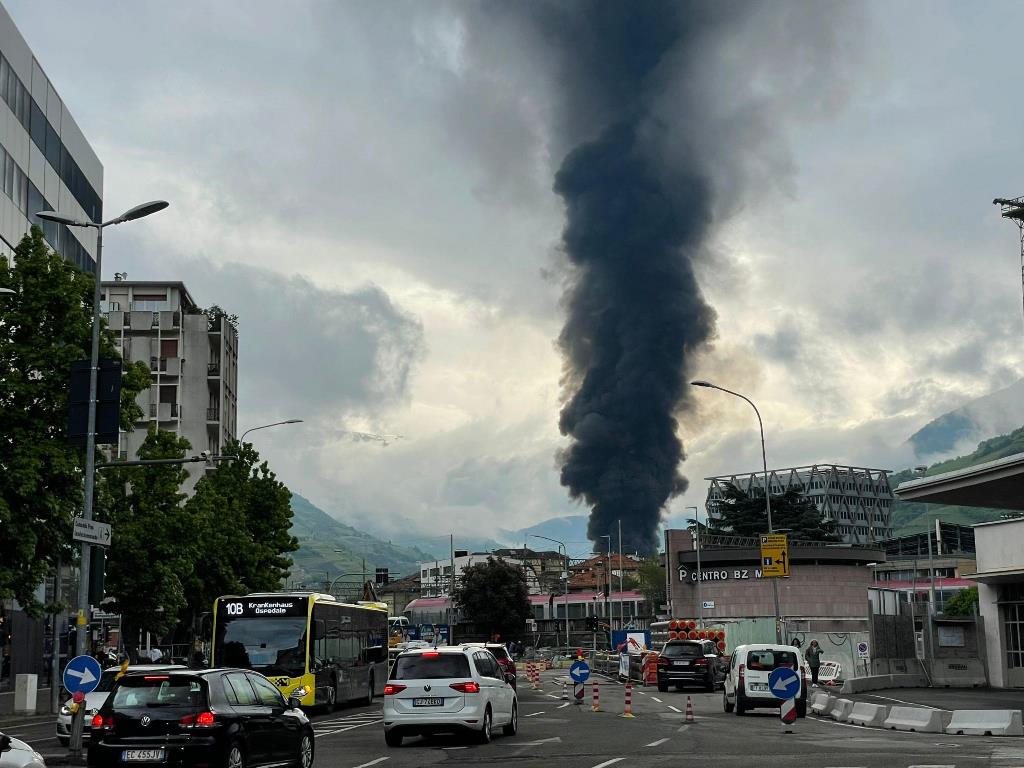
x=320, y=535
x=911, y=517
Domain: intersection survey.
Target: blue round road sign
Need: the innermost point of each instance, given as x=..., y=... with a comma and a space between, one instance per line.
x=579, y=671
x=82, y=674
x=784, y=683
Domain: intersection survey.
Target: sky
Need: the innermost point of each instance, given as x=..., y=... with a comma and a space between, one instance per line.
x=369, y=186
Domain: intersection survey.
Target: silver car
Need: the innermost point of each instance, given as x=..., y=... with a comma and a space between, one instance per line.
x=15, y=753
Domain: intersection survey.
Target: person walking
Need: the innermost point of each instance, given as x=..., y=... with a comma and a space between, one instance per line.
x=813, y=656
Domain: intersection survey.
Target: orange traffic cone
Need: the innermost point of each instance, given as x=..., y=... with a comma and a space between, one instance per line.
x=689, y=710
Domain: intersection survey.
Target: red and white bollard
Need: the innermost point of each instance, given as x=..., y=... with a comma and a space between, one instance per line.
x=596, y=706
x=627, y=710
x=688, y=717
x=787, y=714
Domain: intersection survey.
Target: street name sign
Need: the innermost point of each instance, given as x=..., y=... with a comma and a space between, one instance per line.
x=774, y=554
x=82, y=674
x=92, y=532
x=579, y=671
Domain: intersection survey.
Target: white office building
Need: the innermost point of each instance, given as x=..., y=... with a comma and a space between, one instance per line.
x=45, y=160
x=436, y=575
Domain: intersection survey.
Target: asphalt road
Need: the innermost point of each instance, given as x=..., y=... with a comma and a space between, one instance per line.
x=558, y=734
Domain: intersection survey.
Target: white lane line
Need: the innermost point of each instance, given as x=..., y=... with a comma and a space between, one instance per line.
x=561, y=706
x=911, y=703
x=346, y=728
x=608, y=762
x=656, y=743
x=552, y=696
x=642, y=693
x=373, y=762
x=655, y=698
x=674, y=709
x=533, y=714
x=930, y=766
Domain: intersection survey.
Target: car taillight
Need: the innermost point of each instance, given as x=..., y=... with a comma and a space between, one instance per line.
x=469, y=687
x=99, y=721
x=392, y=688
x=662, y=661
x=742, y=674
x=198, y=720
x=700, y=662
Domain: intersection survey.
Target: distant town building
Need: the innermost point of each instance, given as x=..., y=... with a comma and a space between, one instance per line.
x=859, y=500
x=400, y=592
x=436, y=578
x=547, y=566
x=192, y=359
x=591, y=575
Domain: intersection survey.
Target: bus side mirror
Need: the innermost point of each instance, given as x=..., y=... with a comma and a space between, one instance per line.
x=294, y=702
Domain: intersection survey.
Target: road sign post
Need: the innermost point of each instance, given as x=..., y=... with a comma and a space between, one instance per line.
x=774, y=554
x=81, y=676
x=784, y=684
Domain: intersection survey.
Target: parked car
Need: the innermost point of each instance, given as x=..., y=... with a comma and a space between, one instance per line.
x=455, y=689
x=15, y=753
x=746, y=684
x=505, y=661
x=690, y=662
x=216, y=717
x=94, y=700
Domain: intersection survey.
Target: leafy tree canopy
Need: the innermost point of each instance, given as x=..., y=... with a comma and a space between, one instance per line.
x=651, y=582
x=963, y=603
x=493, y=596
x=743, y=514
x=45, y=325
x=214, y=314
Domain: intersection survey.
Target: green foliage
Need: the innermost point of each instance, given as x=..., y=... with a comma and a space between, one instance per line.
x=651, y=582
x=242, y=516
x=493, y=596
x=214, y=314
x=743, y=514
x=44, y=326
x=154, y=545
x=963, y=603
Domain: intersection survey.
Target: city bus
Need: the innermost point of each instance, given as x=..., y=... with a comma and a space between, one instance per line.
x=312, y=646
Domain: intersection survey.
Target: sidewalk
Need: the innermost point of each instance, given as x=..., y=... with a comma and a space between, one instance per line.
x=947, y=699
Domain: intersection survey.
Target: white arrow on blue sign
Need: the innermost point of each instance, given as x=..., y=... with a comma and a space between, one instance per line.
x=579, y=671
x=82, y=674
x=784, y=683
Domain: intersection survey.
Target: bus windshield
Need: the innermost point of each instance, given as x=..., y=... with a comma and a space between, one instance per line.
x=271, y=646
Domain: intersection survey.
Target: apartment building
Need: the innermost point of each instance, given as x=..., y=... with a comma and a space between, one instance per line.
x=192, y=359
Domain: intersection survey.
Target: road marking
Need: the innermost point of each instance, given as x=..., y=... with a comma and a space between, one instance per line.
x=655, y=698
x=931, y=766
x=346, y=728
x=911, y=703
x=656, y=743
x=608, y=762
x=533, y=714
x=373, y=762
x=560, y=706
x=674, y=709
x=449, y=749
x=552, y=696
x=642, y=693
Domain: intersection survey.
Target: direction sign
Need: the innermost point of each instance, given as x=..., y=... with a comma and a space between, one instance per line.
x=92, y=532
x=579, y=671
x=784, y=683
x=774, y=554
x=82, y=674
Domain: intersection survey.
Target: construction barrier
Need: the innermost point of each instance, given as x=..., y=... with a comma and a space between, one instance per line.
x=915, y=719
x=627, y=706
x=841, y=710
x=596, y=705
x=868, y=714
x=822, y=704
x=688, y=717
x=650, y=669
x=830, y=673
x=986, y=722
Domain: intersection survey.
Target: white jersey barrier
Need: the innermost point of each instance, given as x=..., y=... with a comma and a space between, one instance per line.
x=867, y=714
x=986, y=722
x=914, y=719
x=822, y=703
x=841, y=710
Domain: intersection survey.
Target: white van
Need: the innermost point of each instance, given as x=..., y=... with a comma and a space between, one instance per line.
x=746, y=684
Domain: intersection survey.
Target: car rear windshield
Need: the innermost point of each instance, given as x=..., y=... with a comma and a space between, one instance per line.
x=159, y=691
x=499, y=652
x=421, y=666
x=770, y=660
x=682, y=649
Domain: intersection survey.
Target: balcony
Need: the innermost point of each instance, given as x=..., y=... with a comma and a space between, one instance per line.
x=164, y=411
x=213, y=369
x=213, y=414
x=169, y=365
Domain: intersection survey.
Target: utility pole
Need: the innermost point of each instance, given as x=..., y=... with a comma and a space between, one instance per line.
x=700, y=596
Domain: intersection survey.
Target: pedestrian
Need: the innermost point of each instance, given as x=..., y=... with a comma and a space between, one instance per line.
x=813, y=656
x=796, y=642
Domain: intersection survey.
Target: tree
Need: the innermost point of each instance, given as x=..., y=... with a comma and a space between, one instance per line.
x=743, y=514
x=963, y=603
x=45, y=325
x=242, y=514
x=493, y=596
x=651, y=577
x=153, y=551
x=214, y=314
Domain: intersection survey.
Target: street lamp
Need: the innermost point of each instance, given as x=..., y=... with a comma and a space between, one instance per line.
x=266, y=426
x=94, y=360
x=608, y=600
x=767, y=490
x=565, y=582
x=700, y=597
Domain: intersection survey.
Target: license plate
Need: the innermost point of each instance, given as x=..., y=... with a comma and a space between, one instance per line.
x=759, y=687
x=681, y=663
x=142, y=756
x=431, y=702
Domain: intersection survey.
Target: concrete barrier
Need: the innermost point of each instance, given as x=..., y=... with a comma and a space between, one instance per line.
x=915, y=719
x=868, y=714
x=878, y=682
x=821, y=704
x=841, y=710
x=986, y=722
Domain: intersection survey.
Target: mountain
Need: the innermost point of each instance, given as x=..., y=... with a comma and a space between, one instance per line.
x=993, y=414
x=571, y=529
x=909, y=517
x=320, y=535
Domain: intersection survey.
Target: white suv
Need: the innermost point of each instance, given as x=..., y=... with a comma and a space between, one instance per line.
x=746, y=684
x=448, y=690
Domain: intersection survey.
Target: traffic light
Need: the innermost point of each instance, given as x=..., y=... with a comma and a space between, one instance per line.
x=592, y=623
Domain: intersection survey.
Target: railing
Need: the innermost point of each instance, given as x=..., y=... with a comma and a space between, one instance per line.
x=212, y=414
x=213, y=369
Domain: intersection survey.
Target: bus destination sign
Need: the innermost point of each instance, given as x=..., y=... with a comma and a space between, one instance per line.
x=264, y=606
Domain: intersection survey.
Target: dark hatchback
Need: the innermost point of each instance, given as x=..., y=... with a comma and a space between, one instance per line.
x=213, y=718
x=689, y=662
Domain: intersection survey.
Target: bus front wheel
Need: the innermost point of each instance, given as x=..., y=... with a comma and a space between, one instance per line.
x=368, y=698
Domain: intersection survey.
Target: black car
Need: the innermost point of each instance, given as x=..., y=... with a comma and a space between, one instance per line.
x=689, y=662
x=211, y=718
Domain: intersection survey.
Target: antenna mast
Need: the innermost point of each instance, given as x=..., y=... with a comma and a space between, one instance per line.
x=1013, y=209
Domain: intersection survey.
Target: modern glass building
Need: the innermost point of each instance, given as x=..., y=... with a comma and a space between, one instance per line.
x=45, y=160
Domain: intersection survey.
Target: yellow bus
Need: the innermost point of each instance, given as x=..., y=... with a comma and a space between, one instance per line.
x=312, y=646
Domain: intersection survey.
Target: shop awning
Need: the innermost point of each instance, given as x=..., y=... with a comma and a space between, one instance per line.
x=997, y=484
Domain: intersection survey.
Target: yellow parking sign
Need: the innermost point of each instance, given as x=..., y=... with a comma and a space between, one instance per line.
x=774, y=554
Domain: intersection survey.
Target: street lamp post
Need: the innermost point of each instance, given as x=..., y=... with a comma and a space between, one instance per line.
x=267, y=426
x=565, y=582
x=608, y=600
x=700, y=597
x=94, y=359
x=767, y=491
